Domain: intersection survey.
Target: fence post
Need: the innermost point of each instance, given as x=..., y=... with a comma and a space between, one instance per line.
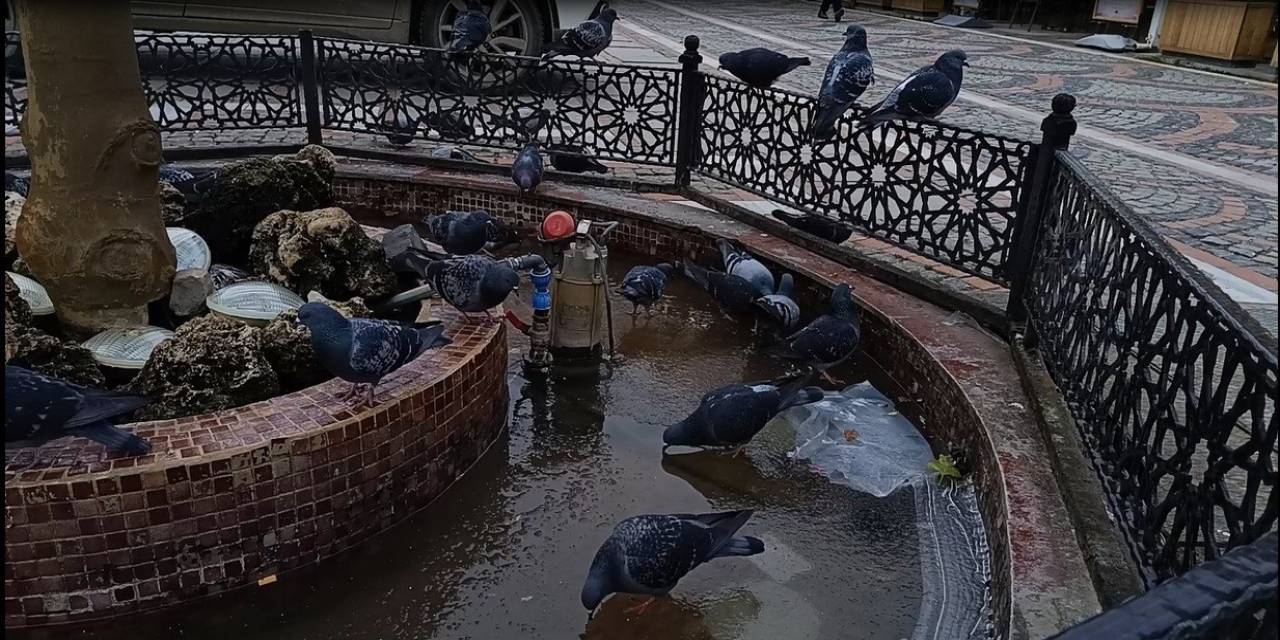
x=310, y=88
x=689, y=117
x=1056, y=129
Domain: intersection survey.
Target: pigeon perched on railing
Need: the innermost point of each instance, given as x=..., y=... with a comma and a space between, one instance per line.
x=471, y=284
x=816, y=225
x=643, y=285
x=830, y=339
x=780, y=306
x=38, y=408
x=731, y=292
x=733, y=414
x=16, y=184
x=924, y=94
x=466, y=232
x=363, y=351
x=649, y=554
x=760, y=67
x=739, y=263
x=849, y=73
x=572, y=160
x=526, y=171
x=587, y=39
x=470, y=29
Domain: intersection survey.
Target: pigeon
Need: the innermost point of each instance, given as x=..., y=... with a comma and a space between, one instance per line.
x=649, y=554
x=175, y=175
x=397, y=126
x=848, y=74
x=816, y=225
x=924, y=94
x=448, y=126
x=587, y=39
x=572, y=160
x=526, y=171
x=470, y=29
x=780, y=307
x=449, y=152
x=16, y=184
x=759, y=67
x=740, y=263
x=525, y=122
x=466, y=232
x=38, y=408
x=362, y=351
x=830, y=339
x=731, y=292
x=472, y=284
x=643, y=285
x=733, y=414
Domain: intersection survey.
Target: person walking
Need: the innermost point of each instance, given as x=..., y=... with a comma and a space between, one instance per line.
x=827, y=4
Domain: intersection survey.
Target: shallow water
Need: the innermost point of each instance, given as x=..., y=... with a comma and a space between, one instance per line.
x=502, y=554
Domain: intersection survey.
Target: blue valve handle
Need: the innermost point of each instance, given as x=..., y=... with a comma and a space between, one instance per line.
x=541, y=288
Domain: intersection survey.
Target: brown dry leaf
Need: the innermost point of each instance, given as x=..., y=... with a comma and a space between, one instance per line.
x=850, y=435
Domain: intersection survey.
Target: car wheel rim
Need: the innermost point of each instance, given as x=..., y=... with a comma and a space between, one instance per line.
x=510, y=35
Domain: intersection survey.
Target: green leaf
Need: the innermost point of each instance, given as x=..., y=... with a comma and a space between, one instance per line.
x=945, y=468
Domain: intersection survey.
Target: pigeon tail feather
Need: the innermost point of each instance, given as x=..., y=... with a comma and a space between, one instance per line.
x=114, y=438
x=740, y=546
x=724, y=524
x=104, y=405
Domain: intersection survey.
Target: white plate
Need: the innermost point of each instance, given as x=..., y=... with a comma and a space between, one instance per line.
x=253, y=302
x=191, y=250
x=126, y=348
x=33, y=292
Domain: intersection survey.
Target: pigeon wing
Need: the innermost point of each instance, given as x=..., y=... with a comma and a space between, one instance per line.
x=736, y=418
x=826, y=340
x=926, y=95
x=659, y=550
x=379, y=347
x=587, y=36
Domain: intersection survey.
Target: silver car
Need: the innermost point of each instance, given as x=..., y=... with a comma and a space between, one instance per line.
x=522, y=27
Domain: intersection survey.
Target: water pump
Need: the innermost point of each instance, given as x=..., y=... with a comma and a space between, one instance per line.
x=580, y=320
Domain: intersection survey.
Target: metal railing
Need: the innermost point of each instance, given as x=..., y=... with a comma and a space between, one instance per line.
x=1173, y=386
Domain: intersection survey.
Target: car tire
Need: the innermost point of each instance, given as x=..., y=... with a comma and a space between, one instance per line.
x=525, y=31
x=14, y=67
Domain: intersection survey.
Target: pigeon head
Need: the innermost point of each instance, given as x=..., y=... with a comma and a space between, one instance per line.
x=498, y=281
x=842, y=301
x=954, y=60
x=680, y=433
x=786, y=285
x=321, y=318
x=855, y=38
x=608, y=15
x=728, y=59
x=600, y=577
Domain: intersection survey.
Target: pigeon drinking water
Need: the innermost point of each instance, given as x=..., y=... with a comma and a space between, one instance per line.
x=526, y=171
x=643, y=285
x=649, y=554
x=738, y=262
x=733, y=414
x=38, y=408
x=570, y=159
x=816, y=225
x=470, y=29
x=587, y=39
x=363, y=351
x=731, y=292
x=780, y=306
x=848, y=74
x=924, y=94
x=472, y=284
x=466, y=232
x=759, y=67
x=830, y=339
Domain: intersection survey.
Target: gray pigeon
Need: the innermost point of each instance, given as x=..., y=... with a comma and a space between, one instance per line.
x=780, y=306
x=848, y=74
x=466, y=232
x=923, y=95
x=759, y=67
x=733, y=414
x=738, y=262
x=362, y=351
x=526, y=171
x=649, y=554
x=830, y=339
x=643, y=285
x=472, y=284
x=449, y=152
x=16, y=184
x=816, y=225
x=38, y=408
x=731, y=292
x=470, y=29
x=572, y=160
x=587, y=39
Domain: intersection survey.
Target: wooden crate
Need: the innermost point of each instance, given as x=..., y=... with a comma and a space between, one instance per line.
x=1219, y=29
x=921, y=6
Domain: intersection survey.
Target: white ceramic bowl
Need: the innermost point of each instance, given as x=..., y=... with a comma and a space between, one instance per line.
x=191, y=250
x=254, y=302
x=126, y=348
x=33, y=292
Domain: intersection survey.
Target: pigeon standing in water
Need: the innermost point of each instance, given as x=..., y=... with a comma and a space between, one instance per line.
x=848, y=74
x=470, y=29
x=649, y=554
x=733, y=414
x=38, y=408
x=925, y=94
x=16, y=184
x=740, y=263
x=643, y=285
x=731, y=292
x=526, y=171
x=466, y=232
x=472, y=284
x=362, y=351
x=780, y=306
x=759, y=67
x=830, y=339
x=570, y=159
x=816, y=225
x=587, y=39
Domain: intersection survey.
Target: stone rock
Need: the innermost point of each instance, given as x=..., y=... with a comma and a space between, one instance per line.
x=12, y=210
x=173, y=204
x=17, y=315
x=353, y=308
x=21, y=268
x=52, y=356
x=211, y=363
x=287, y=346
x=320, y=158
x=188, y=292
x=325, y=250
x=248, y=191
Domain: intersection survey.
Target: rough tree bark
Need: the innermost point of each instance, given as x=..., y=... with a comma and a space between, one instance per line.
x=91, y=229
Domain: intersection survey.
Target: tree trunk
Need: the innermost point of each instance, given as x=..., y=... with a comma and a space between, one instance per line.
x=91, y=229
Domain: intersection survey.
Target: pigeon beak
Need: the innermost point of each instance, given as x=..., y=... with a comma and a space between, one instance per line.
x=965, y=63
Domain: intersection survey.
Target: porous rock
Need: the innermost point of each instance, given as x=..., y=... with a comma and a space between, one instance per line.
x=52, y=356
x=173, y=204
x=188, y=292
x=17, y=314
x=325, y=250
x=12, y=210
